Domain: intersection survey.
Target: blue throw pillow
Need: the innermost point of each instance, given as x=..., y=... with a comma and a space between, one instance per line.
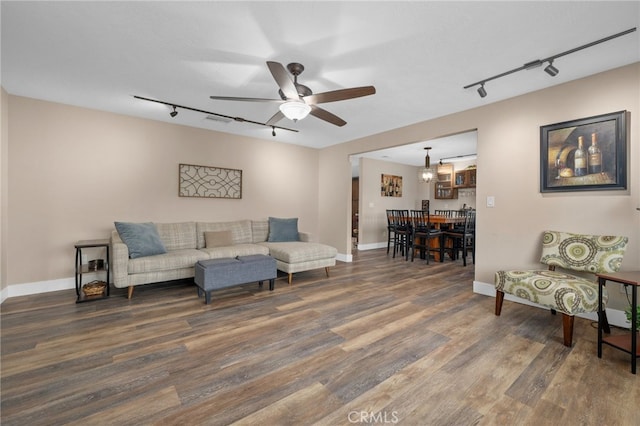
x=142, y=239
x=281, y=230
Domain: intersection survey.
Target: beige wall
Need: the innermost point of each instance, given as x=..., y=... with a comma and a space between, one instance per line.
x=4, y=170
x=373, y=206
x=508, y=169
x=74, y=171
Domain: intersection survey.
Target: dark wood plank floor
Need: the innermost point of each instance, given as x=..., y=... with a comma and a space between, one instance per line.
x=382, y=341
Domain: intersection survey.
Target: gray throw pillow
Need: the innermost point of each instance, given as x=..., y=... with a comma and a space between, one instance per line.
x=282, y=230
x=142, y=239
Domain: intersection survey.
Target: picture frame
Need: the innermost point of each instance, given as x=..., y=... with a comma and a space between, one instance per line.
x=603, y=168
x=209, y=182
x=391, y=186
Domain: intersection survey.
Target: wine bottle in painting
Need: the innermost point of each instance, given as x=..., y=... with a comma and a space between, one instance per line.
x=580, y=159
x=595, y=156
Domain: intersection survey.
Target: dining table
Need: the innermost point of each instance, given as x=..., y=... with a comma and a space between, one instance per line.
x=439, y=220
x=442, y=222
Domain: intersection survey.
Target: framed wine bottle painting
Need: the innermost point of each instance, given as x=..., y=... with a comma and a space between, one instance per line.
x=589, y=154
x=391, y=186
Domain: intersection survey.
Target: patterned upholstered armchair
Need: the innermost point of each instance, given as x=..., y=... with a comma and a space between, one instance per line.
x=562, y=291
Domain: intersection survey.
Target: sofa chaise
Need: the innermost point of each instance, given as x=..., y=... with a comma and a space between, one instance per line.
x=178, y=246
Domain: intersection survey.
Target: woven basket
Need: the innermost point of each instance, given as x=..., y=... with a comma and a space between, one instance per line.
x=94, y=288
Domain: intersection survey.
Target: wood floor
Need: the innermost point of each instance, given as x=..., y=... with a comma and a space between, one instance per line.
x=382, y=341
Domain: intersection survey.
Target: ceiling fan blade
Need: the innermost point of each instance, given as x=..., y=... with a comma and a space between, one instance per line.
x=340, y=95
x=281, y=75
x=276, y=117
x=231, y=98
x=325, y=115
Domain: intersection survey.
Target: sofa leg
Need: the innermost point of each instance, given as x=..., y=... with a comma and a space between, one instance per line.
x=567, y=329
x=326, y=269
x=290, y=277
x=499, y=300
x=130, y=292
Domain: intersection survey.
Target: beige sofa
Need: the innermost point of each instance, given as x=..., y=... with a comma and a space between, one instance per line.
x=185, y=245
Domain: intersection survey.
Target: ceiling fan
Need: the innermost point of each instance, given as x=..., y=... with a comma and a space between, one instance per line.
x=297, y=100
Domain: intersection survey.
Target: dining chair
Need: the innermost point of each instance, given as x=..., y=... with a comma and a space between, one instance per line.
x=445, y=213
x=403, y=232
x=391, y=229
x=463, y=239
x=423, y=234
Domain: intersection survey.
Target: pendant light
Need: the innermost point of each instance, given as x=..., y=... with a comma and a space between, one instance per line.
x=427, y=174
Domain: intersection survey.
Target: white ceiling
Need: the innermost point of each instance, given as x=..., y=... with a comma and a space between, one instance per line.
x=414, y=154
x=417, y=54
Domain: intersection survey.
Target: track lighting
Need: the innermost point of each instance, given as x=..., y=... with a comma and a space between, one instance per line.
x=273, y=131
x=211, y=115
x=549, y=69
x=459, y=158
x=481, y=91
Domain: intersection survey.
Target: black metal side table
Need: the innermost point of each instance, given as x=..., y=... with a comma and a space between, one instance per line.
x=85, y=269
x=626, y=343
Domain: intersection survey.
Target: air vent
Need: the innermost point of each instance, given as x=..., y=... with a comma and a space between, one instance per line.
x=219, y=119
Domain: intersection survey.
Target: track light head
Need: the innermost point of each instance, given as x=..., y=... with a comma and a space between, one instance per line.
x=273, y=131
x=174, y=112
x=481, y=91
x=551, y=70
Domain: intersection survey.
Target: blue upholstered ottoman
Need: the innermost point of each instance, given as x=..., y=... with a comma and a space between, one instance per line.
x=215, y=274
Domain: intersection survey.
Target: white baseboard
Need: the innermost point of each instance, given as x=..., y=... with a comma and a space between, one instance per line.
x=371, y=246
x=40, y=287
x=614, y=316
x=344, y=257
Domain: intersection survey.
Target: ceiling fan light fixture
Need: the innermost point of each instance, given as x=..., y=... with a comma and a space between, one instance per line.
x=295, y=110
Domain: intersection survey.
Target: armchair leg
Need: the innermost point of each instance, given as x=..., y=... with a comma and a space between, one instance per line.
x=499, y=300
x=130, y=292
x=290, y=277
x=326, y=270
x=567, y=329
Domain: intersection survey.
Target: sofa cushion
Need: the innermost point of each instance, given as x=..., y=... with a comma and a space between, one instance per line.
x=218, y=239
x=142, y=239
x=260, y=230
x=174, y=259
x=240, y=231
x=283, y=230
x=235, y=250
x=556, y=290
x=176, y=236
x=297, y=251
